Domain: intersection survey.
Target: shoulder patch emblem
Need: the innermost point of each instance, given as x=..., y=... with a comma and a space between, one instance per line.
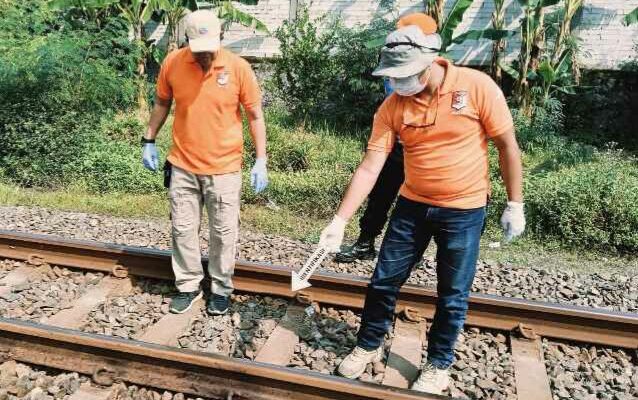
x=459, y=99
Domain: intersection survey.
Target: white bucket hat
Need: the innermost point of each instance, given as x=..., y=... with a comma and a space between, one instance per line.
x=406, y=52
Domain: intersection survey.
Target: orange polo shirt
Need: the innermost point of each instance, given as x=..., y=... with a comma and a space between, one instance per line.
x=445, y=139
x=207, y=129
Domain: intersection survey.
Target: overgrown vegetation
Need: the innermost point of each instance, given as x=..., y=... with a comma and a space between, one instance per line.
x=325, y=70
x=58, y=83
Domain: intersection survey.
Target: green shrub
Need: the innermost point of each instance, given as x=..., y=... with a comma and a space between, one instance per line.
x=325, y=70
x=573, y=193
x=111, y=166
x=124, y=127
x=56, y=87
x=305, y=72
x=592, y=205
x=309, y=193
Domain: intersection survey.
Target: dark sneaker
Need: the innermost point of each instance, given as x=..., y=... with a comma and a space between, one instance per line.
x=183, y=301
x=361, y=250
x=217, y=305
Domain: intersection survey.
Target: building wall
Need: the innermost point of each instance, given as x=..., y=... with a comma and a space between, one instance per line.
x=605, y=42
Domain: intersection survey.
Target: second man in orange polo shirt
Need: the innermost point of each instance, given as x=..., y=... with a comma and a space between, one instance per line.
x=444, y=115
x=208, y=84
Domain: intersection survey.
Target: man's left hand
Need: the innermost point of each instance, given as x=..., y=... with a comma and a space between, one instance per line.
x=259, y=175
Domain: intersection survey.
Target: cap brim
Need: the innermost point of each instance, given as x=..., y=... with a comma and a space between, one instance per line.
x=207, y=43
x=404, y=70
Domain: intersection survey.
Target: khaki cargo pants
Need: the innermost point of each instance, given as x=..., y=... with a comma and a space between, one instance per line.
x=221, y=193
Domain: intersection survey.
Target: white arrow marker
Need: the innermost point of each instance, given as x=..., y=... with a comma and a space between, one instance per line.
x=300, y=279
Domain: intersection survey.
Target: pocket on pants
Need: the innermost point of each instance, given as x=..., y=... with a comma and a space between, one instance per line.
x=182, y=214
x=226, y=219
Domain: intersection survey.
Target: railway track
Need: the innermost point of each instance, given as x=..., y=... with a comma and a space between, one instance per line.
x=154, y=360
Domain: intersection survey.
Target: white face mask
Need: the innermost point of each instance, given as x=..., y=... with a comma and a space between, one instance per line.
x=408, y=86
x=412, y=84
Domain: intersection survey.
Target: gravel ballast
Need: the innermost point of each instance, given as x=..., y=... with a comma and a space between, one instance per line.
x=48, y=291
x=602, y=290
x=7, y=266
x=326, y=336
x=241, y=332
x=590, y=372
x=128, y=316
x=483, y=368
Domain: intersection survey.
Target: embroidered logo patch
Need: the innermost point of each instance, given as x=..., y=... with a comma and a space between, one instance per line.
x=203, y=30
x=223, y=78
x=459, y=99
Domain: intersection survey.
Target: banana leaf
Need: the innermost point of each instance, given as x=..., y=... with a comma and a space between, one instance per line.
x=511, y=71
x=453, y=20
x=508, y=69
x=631, y=18
x=229, y=13
x=537, y=3
x=476, y=34
x=567, y=89
x=547, y=72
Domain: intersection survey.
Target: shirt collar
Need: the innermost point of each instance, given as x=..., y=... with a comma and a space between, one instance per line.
x=451, y=75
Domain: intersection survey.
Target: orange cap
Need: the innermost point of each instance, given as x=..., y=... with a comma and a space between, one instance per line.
x=423, y=21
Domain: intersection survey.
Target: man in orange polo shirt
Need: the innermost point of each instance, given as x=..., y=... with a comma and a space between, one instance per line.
x=208, y=84
x=444, y=115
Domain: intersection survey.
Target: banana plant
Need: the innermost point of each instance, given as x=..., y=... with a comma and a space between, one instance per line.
x=137, y=13
x=452, y=21
x=556, y=77
x=434, y=8
x=631, y=18
x=570, y=8
x=172, y=13
x=498, y=46
x=532, y=43
x=228, y=13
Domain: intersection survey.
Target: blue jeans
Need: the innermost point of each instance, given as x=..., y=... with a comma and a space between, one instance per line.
x=457, y=234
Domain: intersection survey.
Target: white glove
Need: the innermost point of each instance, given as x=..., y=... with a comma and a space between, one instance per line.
x=513, y=220
x=259, y=175
x=332, y=236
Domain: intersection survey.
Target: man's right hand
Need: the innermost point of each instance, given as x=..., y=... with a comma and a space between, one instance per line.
x=332, y=235
x=149, y=156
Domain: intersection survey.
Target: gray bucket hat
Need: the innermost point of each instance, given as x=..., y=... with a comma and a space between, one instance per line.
x=406, y=52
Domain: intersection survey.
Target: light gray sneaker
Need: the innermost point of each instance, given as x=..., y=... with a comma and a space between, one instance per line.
x=432, y=380
x=355, y=363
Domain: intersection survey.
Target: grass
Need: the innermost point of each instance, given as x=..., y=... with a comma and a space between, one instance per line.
x=77, y=199
x=285, y=222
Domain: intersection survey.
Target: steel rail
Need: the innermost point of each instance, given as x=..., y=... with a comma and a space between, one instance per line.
x=109, y=360
x=596, y=326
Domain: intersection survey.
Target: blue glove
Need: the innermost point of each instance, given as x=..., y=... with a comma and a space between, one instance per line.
x=259, y=175
x=149, y=156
